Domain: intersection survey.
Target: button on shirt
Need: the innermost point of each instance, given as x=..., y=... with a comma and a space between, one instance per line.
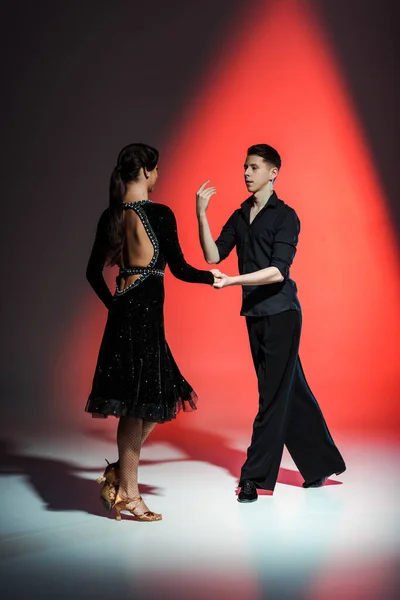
x=270, y=241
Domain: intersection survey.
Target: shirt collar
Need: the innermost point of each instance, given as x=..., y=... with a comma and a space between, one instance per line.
x=248, y=203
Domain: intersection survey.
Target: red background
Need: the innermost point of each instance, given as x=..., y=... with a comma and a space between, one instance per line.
x=277, y=81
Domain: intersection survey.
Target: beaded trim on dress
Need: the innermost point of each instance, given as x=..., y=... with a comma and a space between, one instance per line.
x=143, y=272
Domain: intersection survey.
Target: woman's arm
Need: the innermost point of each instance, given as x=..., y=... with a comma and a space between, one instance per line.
x=174, y=256
x=97, y=260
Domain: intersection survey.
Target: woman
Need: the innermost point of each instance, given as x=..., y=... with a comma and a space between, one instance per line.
x=136, y=377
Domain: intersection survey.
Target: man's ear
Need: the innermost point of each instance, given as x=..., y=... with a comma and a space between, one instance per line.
x=274, y=173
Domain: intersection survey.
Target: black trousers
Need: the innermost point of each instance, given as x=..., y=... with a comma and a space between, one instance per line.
x=288, y=412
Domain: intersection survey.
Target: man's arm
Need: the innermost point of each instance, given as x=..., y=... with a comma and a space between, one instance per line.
x=213, y=251
x=284, y=250
x=285, y=243
x=262, y=277
x=209, y=247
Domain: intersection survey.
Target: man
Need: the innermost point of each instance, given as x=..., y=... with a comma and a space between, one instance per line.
x=265, y=232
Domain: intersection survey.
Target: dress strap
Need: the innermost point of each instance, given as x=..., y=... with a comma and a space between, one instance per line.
x=135, y=205
x=140, y=271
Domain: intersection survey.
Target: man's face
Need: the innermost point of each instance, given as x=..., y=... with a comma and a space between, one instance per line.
x=258, y=173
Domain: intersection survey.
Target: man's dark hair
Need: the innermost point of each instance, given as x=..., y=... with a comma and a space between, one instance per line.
x=268, y=153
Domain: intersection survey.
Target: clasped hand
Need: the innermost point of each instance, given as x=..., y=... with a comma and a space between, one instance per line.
x=220, y=279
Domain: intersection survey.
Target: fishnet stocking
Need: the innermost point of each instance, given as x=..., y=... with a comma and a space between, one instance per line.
x=131, y=434
x=148, y=427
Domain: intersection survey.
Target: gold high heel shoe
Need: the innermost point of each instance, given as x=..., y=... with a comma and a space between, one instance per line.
x=109, y=490
x=146, y=516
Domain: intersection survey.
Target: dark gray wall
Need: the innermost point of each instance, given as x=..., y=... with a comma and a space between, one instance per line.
x=71, y=98
x=365, y=37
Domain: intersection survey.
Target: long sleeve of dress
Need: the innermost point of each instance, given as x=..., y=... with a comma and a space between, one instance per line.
x=174, y=256
x=97, y=260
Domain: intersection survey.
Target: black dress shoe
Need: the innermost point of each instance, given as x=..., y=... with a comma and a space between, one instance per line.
x=320, y=482
x=316, y=483
x=248, y=493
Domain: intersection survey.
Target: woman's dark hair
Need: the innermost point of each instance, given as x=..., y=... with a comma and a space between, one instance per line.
x=131, y=159
x=268, y=153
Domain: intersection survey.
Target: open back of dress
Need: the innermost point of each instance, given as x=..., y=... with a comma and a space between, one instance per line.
x=138, y=249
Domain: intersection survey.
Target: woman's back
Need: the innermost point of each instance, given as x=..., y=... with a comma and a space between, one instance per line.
x=138, y=249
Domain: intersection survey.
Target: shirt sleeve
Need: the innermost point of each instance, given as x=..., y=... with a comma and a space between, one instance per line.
x=97, y=260
x=174, y=255
x=227, y=238
x=285, y=243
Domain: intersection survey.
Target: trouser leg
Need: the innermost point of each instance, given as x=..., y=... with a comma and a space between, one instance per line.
x=274, y=342
x=307, y=436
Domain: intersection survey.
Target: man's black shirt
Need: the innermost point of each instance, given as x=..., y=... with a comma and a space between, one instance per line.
x=270, y=241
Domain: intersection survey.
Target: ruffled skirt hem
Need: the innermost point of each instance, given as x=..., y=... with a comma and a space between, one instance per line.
x=157, y=413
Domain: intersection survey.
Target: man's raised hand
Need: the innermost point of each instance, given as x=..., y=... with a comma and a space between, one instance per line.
x=203, y=196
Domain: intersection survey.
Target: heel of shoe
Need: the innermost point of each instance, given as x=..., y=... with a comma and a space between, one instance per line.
x=118, y=515
x=106, y=504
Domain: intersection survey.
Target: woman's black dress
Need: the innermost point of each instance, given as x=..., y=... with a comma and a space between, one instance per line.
x=136, y=374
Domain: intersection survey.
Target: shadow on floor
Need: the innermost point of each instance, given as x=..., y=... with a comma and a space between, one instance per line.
x=56, y=482
x=206, y=446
